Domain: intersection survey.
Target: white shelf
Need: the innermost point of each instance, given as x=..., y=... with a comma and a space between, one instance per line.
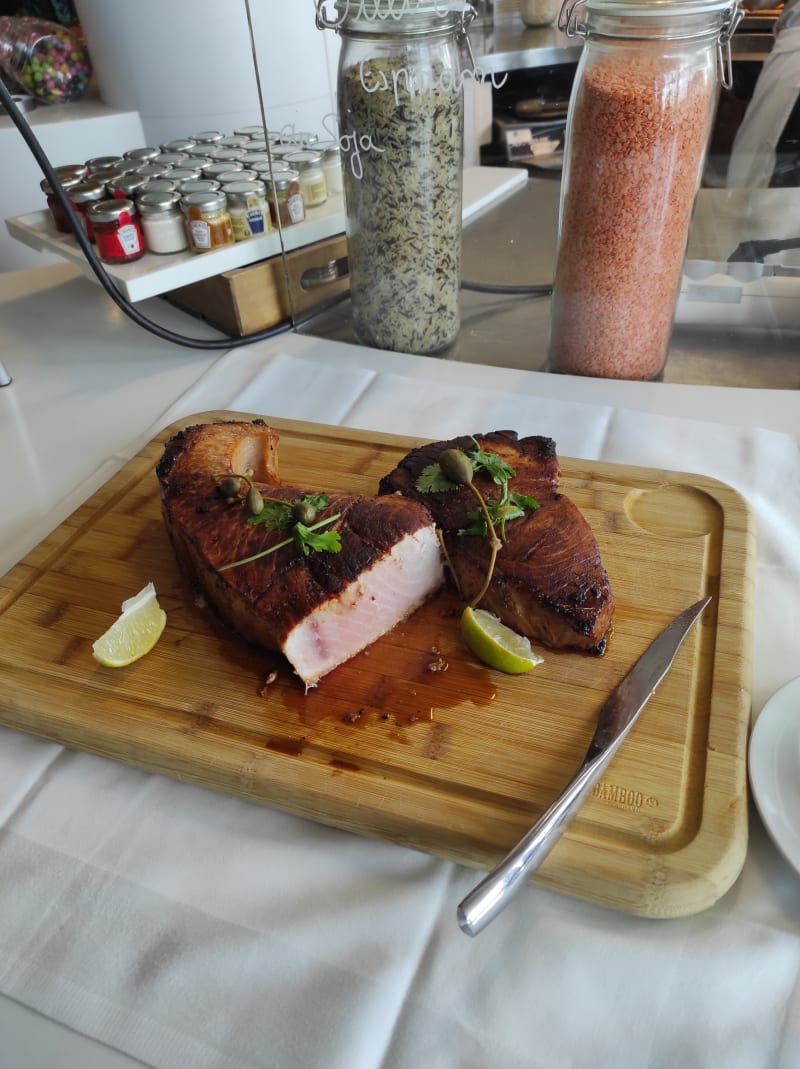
x=153, y=275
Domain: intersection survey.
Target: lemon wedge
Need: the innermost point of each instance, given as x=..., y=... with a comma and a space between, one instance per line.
x=135, y=631
x=495, y=644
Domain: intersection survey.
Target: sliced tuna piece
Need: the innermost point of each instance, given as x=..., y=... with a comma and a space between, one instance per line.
x=317, y=610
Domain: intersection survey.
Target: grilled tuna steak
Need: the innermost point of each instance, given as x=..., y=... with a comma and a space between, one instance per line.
x=548, y=582
x=318, y=610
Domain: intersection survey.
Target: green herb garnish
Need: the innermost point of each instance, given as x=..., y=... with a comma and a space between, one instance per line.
x=457, y=467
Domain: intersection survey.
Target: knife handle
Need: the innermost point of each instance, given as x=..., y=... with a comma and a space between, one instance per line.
x=496, y=890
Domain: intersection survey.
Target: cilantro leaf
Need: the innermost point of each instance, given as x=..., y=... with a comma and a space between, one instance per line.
x=494, y=466
x=306, y=539
x=275, y=516
x=431, y=479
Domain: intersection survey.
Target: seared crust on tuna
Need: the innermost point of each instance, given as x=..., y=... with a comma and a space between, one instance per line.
x=549, y=582
x=318, y=610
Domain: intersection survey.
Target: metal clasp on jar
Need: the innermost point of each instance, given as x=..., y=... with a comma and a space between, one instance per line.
x=568, y=18
x=735, y=16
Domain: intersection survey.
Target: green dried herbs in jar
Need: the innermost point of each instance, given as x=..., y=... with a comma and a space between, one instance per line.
x=401, y=121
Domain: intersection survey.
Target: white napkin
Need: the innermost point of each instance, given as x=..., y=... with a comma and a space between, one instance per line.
x=191, y=929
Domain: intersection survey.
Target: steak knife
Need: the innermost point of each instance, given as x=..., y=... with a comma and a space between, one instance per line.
x=617, y=716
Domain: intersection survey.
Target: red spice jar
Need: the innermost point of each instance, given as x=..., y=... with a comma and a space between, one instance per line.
x=638, y=127
x=116, y=230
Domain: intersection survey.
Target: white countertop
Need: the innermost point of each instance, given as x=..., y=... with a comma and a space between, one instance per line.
x=88, y=390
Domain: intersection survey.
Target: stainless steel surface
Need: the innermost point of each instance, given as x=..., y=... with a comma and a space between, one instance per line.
x=514, y=243
x=507, y=44
x=615, y=720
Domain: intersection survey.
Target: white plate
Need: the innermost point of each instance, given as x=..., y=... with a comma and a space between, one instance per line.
x=775, y=769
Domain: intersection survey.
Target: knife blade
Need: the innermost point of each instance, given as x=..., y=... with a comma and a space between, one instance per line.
x=617, y=716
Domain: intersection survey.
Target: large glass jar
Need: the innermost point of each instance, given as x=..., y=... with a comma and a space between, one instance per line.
x=400, y=111
x=638, y=126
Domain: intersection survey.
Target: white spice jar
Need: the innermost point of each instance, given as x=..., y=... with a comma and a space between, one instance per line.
x=308, y=164
x=162, y=222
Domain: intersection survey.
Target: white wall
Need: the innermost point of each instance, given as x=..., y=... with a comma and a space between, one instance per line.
x=187, y=65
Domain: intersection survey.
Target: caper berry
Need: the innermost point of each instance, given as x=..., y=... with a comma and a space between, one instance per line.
x=456, y=466
x=303, y=512
x=231, y=487
x=255, y=502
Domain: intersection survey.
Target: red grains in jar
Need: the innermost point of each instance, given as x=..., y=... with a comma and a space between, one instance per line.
x=640, y=126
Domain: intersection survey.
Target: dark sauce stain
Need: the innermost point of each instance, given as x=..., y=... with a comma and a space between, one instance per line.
x=291, y=747
x=402, y=680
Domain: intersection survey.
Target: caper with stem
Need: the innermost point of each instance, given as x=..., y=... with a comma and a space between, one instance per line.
x=230, y=487
x=303, y=512
x=456, y=466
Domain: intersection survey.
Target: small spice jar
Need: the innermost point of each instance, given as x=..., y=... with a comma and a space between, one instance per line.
x=331, y=164
x=60, y=217
x=208, y=222
x=82, y=196
x=285, y=199
x=313, y=186
x=198, y=185
x=639, y=121
x=171, y=159
x=218, y=167
x=182, y=144
x=102, y=163
x=249, y=131
x=117, y=231
x=126, y=186
x=162, y=222
x=159, y=185
x=207, y=137
x=227, y=177
x=185, y=172
x=141, y=154
x=248, y=208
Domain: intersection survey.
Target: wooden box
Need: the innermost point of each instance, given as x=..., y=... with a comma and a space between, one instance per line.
x=269, y=292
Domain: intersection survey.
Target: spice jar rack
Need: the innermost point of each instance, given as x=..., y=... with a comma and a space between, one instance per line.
x=154, y=275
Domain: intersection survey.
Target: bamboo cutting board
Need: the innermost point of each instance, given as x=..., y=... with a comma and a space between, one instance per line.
x=412, y=740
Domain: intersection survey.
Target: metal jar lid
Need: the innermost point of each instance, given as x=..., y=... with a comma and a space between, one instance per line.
x=198, y=185
x=153, y=170
x=184, y=173
x=329, y=149
x=227, y=177
x=234, y=141
x=66, y=181
x=207, y=137
x=141, y=154
x=128, y=183
x=218, y=167
x=102, y=163
x=228, y=153
x=249, y=159
x=160, y=185
x=282, y=180
x=65, y=170
x=150, y=203
x=250, y=131
x=87, y=191
x=171, y=159
x=109, y=211
x=238, y=192
x=298, y=140
x=182, y=144
x=212, y=201
x=304, y=160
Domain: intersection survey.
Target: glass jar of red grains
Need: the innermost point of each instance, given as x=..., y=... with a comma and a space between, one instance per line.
x=638, y=127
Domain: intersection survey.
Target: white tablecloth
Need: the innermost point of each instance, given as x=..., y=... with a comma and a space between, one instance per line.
x=190, y=929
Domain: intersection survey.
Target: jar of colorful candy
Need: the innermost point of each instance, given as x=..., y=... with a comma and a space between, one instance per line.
x=43, y=58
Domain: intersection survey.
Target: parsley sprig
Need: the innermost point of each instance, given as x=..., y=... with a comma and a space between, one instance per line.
x=456, y=468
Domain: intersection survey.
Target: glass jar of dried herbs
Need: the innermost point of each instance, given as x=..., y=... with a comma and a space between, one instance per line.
x=400, y=115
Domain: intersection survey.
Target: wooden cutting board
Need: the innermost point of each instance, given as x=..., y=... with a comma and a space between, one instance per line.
x=413, y=741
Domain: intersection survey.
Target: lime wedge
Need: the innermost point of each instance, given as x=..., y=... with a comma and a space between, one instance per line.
x=135, y=631
x=495, y=644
